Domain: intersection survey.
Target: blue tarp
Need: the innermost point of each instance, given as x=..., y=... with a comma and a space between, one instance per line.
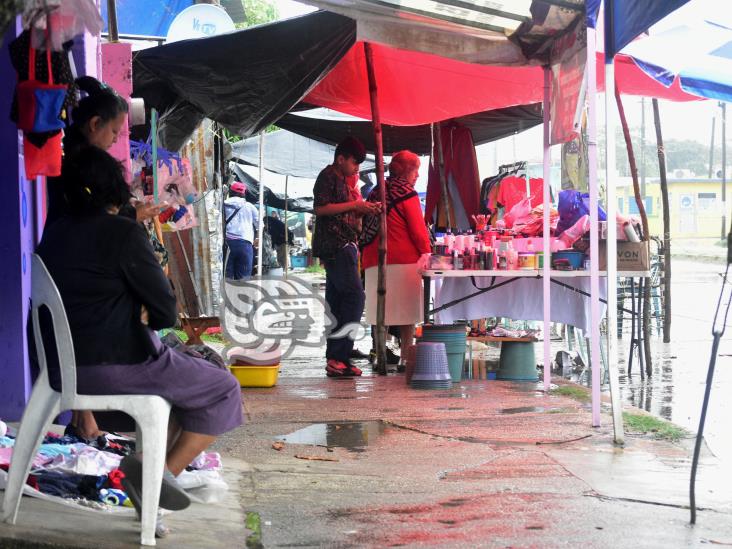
x=698, y=54
x=626, y=19
x=146, y=17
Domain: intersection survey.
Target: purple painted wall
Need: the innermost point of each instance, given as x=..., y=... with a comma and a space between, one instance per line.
x=21, y=224
x=17, y=239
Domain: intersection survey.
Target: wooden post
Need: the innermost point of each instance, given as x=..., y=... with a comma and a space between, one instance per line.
x=666, y=226
x=381, y=287
x=646, y=308
x=443, y=177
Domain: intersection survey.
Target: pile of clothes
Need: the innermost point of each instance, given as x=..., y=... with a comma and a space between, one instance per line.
x=87, y=472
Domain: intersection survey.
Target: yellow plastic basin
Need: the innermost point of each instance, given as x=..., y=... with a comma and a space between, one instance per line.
x=256, y=376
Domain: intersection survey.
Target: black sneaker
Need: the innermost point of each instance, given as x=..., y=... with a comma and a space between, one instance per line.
x=392, y=359
x=358, y=355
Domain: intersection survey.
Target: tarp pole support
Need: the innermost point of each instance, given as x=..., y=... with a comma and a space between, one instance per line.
x=154, y=144
x=546, y=242
x=287, y=247
x=260, y=228
x=611, y=208
x=381, y=287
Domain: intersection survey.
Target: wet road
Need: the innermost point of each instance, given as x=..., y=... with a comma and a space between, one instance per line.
x=676, y=389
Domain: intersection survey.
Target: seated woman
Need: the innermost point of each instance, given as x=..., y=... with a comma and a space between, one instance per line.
x=107, y=275
x=407, y=242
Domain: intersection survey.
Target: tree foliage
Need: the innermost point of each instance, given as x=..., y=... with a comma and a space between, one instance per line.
x=258, y=12
x=681, y=154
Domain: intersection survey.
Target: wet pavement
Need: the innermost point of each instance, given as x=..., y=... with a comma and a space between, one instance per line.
x=370, y=462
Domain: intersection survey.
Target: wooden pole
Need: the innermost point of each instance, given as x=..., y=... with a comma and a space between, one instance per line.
x=666, y=227
x=443, y=178
x=381, y=287
x=646, y=308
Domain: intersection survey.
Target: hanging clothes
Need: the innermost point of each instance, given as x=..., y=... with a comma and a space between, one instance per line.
x=513, y=190
x=461, y=176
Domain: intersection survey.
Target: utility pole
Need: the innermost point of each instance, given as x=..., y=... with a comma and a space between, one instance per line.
x=711, y=149
x=724, y=168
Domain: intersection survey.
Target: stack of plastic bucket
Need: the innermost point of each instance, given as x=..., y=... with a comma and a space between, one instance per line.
x=430, y=368
x=454, y=338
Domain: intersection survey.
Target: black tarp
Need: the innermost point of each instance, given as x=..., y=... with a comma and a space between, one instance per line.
x=245, y=80
x=271, y=198
x=287, y=153
x=485, y=126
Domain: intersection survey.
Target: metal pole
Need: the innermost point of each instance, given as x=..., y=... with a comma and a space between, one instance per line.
x=724, y=168
x=112, y=21
x=287, y=247
x=154, y=142
x=546, y=240
x=612, y=246
x=260, y=232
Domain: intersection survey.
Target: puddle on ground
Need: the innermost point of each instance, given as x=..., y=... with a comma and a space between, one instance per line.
x=353, y=436
x=522, y=410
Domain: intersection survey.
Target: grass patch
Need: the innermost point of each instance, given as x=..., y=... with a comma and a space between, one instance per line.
x=571, y=391
x=316, y=269
x=254, y=524
x=659, y=428
x=206, y=338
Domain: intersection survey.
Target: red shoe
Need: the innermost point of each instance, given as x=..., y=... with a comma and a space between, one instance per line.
x=335, y=368
x=352, y=370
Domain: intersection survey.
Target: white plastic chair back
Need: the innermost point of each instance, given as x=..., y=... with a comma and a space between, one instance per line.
x=150, y=412
x=45, y=293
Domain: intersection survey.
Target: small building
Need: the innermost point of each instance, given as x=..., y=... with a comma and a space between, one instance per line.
x=695, y=205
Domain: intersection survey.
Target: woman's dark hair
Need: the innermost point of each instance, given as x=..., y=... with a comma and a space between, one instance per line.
x=93, y=181
x=101, y=101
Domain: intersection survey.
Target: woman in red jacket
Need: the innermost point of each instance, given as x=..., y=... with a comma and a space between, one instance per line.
x=407, y=241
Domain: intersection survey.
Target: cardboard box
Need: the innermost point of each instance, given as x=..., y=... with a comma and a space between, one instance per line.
x=632, y=256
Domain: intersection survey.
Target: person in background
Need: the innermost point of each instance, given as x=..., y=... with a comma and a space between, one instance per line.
x=109, y=279
x=241, y=219
x=408, y=246
x=276, y=230
x=337, y=224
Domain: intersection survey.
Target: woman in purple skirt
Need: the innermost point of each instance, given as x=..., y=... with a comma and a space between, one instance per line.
x=109, y=280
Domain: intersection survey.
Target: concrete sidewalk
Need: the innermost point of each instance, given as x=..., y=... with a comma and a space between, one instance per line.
x=369, y=462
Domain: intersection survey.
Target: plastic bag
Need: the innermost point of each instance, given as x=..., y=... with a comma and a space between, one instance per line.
x=575, y=232
x=520, y=211
x=572, y=206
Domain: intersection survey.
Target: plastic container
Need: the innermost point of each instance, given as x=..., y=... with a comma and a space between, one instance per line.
x=256, y=376
x=454, y=336
x=575, y=258
x=298, y=261
x=527, y=260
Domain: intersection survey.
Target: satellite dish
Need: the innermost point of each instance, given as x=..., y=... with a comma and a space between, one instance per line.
x=199, y=21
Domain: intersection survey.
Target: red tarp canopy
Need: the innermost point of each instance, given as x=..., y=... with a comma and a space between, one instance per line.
x=419, y=88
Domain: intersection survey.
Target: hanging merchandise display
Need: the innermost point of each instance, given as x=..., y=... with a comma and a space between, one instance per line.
x=44, y=96
x=40, y=103
x=55, y=22
x=175, y=186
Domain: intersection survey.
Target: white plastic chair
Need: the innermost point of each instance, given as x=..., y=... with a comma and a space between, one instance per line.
x=151, y=413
